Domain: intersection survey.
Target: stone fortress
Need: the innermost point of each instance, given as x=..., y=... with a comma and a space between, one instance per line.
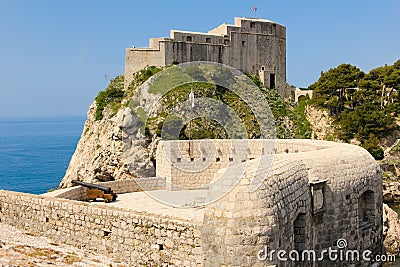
x=254, y=46
x=315, y=193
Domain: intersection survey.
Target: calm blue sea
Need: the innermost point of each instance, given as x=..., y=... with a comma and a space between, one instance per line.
x=35, y=153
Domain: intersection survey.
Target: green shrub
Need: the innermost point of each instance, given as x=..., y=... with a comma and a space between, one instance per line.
x=113, y=95
x=372, y=145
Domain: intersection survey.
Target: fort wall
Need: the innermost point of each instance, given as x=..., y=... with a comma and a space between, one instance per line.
x=124, y=235
x=309, y=201
x=194, y=164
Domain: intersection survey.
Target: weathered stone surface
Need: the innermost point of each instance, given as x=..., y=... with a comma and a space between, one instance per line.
x=391, y=192
x=391, y=230
x=321, y=123
x=100, y=153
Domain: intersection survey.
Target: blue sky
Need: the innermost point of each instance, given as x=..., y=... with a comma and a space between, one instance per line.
x=54, y=55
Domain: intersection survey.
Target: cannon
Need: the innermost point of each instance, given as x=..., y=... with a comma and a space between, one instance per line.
x=95, y=191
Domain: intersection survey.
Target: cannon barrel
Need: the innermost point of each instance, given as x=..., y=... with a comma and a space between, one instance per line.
x=105, y=189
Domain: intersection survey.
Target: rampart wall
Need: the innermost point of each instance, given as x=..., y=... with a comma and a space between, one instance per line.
x=194, y=164
x=309, y=201
x=125, y=235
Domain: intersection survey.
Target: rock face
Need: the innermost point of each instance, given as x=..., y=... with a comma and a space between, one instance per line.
x=391, y=192
x=391, y=230
x=320, y=123
x=100, y=156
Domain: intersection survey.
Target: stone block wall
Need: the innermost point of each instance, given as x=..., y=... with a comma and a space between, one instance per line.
x=194, y=164
x=135, y=238
x=138, y=58
x=284, y=212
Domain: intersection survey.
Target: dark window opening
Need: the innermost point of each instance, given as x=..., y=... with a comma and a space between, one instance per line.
x=189, y=38
x=252, y=24
x=243, y=43
x=226, y=42
x=218, y=159
x=191, y=159
x=204, y=159
x=262, y=67
x=272, y=81
x=178, y=160
x=208, y=40
x=366, y=209
x=230, y=159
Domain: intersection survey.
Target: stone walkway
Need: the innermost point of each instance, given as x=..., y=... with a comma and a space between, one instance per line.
x=181, y=204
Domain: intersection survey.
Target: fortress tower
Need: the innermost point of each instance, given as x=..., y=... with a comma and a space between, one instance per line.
x=251, y=45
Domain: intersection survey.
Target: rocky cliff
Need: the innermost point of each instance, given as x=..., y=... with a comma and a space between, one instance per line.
x=321, y=123
x=101, y=151
x=391, y=230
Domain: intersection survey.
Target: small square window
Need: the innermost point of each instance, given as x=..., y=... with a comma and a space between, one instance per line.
x=189, y=38
x=230, y=159
x=243, y=43
x=218, y=159
x=178, y=160
x=191, y=159
x=204, y=159
x=252, y=24
x=208, y=40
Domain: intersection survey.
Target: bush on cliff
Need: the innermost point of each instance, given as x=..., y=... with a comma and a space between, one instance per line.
x=112, y=95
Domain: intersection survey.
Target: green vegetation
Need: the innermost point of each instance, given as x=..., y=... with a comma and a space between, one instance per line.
x=364, y=106
x=290, y=119
x=303, y=127
x=112, y=95
x=202, y=127
x=141, y=76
